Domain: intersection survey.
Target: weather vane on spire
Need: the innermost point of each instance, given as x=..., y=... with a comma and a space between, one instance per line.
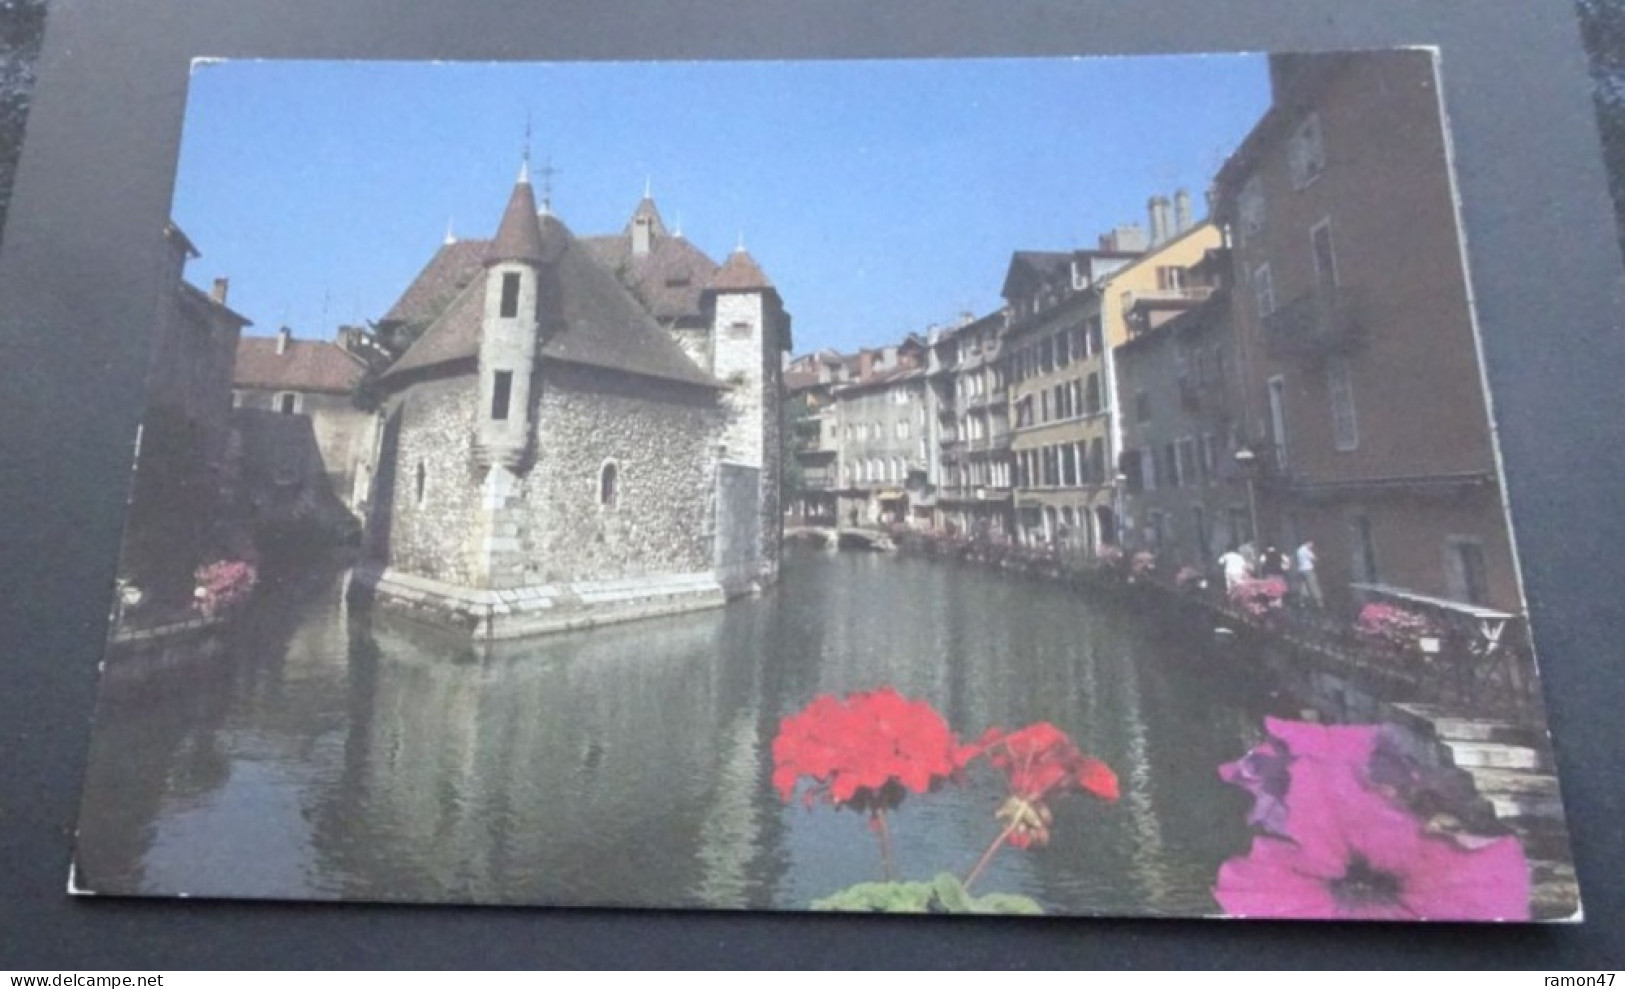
x=547, y=171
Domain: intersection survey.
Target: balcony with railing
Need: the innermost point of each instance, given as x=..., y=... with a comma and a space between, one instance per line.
x=998, y=439
x=810, y=445
x=1316, y=325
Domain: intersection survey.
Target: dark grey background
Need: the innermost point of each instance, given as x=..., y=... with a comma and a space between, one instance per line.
x=77, y=289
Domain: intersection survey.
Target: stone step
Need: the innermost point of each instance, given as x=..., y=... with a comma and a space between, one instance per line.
x=1514, y=793
x=1554, y=892
x=1497, y=755
x=1448, y=725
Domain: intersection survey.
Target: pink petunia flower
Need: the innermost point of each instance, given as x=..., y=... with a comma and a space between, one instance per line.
x=1353, y=855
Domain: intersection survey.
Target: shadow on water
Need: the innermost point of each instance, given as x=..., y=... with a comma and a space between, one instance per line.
x=336, y=754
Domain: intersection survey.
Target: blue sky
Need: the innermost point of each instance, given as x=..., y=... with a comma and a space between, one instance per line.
x=880, y=197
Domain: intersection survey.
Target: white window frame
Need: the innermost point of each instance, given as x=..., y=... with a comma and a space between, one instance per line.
x=298, y=402
x=1264, y=290
x=1306, y=152
x=1331, y=245
x=1340, y=394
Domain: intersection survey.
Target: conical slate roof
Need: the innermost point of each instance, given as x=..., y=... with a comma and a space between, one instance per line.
x=740, y=273
x=519, y=238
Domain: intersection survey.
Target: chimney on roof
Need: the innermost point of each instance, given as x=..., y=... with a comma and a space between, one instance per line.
x=282, y=337
x=221, y=287
x=1157, y=207
x=1182, y=212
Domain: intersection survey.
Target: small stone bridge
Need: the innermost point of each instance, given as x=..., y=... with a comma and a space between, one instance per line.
x=843, y=537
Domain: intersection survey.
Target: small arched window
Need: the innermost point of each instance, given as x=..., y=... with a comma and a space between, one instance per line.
x=608, y=485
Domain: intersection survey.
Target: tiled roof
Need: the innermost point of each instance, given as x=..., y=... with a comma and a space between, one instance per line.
x=446, y=274
x=586, y=315
x=669, y=279
x=883, y=378
x=1035, y=266
x=304, y=365
x=798, y=380
x=740, y=273
x=519, y=236
x=212, y=305
x=454, y=336
x=1042, y=263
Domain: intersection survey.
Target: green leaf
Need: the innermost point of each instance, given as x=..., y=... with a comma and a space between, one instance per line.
x=944, y=894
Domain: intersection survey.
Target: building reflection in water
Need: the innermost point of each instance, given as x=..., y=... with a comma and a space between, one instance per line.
x=335, y=755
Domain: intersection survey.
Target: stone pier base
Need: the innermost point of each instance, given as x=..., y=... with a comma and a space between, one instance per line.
x=517, y=612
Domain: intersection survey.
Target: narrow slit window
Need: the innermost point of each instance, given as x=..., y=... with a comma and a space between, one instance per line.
x=607, y=483
x=422, y=476
x=501, y=393
x=510, y=295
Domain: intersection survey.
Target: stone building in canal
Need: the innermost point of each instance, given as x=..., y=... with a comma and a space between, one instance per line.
x=583, y=430
x=1366, y=398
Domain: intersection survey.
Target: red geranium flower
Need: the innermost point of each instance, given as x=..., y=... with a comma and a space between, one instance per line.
x=865, y=751
x=1040, y=757
x=1036, y=760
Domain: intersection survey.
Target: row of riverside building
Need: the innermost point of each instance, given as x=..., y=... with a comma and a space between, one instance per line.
x=1301, y=365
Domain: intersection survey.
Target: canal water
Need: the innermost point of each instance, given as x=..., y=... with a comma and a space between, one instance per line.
x=329, y=756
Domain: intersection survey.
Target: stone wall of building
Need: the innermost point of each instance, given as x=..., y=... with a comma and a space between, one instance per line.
x=738, y=353
x=739, y=522
x=428, y=488
x=748, y=358
x=771, y=482
x=661, y=439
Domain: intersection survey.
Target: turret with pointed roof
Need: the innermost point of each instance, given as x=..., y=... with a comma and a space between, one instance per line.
x=519, y=237
x=740, y=273
x=568, y=414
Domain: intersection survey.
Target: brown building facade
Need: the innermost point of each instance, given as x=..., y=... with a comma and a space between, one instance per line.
x=1366, y=397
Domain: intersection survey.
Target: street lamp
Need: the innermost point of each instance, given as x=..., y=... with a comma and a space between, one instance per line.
x=1247, y=462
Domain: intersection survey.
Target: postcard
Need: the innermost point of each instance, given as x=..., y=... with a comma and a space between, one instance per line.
x=1033, y=486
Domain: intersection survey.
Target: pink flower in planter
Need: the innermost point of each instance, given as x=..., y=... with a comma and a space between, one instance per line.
x=223, y=585
x=1351, y=854
x=1393, y=625
x=1257, y=598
